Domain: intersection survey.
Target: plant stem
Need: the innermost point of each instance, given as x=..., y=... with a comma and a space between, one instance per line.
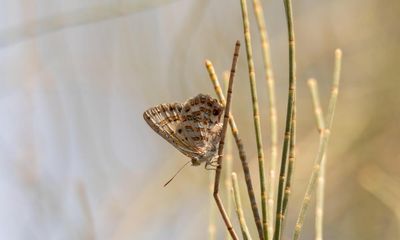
x=324, y=139
x=269, y=76
x=335, y=88
x=239, y=144
x=221, y=145
x=319, y=116
x=290, y=170
x=280, y=211
x=256, y=114
x=239, y=209
x=229, y=163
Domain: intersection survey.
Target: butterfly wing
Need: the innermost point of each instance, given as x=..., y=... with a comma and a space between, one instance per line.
x=201, y=123
x=164, y=120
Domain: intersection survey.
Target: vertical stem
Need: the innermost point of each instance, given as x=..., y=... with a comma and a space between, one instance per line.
x=269, y=76
x=289, y=120
x=324, y=139
x=221, y=145
x=319, y=207
x=290, y=170
x=239, y=144
x=229, y=163
x=311, y=185
x=335, y=88
x=319, y=115
x=256, y=114
x=239, y=209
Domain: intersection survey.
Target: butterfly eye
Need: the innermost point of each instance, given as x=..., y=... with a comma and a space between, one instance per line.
x=216, y=112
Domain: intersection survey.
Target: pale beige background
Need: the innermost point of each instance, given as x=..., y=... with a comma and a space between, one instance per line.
x=77, y=161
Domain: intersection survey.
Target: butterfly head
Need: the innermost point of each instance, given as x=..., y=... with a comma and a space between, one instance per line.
x=207, y=157
x=195, y=161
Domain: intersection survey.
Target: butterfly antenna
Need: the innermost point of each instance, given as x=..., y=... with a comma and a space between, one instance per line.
x=177, y=173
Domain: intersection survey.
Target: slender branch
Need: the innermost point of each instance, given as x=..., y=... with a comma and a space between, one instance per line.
x=324, y=139
x=239, y=209
x=335, y=88
x=289, y=120
x=319, y=116
x=290, y=170
x=221, y=145
x=229, y=163
x=239, y=144
x=269, y=77
x=256, y=114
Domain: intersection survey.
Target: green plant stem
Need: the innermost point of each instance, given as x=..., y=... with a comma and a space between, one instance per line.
x=319, y=116
x=290, y=170
x=324, y=139
x=256, y=114
x=239, y=209
x=289, y=120
x=269, y=77
x=239, y=144
x=335, y=88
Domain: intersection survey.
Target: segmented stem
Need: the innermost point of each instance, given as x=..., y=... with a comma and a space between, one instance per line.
x=256, y=113
x=284, y=174
x=324, y=139
x=269, y=77
x=221, y=146
x=239, y=209
x=239, y=144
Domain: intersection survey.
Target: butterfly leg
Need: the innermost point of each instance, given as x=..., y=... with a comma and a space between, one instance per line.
x=211, y=165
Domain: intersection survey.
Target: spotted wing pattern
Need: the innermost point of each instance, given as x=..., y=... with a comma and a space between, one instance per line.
x=193, y=127
x=164, y=119
x=201, y=122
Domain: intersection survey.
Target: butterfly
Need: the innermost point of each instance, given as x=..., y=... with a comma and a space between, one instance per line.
x=193, y=127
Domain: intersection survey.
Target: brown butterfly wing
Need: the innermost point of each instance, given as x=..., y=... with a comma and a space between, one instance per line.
x=201, y=123
x=164, y=119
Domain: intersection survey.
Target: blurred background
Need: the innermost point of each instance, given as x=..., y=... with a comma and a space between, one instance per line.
x=79, y=162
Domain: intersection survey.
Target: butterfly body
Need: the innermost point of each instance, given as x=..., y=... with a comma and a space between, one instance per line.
x=194, y=127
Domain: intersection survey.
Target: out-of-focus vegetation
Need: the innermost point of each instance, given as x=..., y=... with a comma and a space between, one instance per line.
x=78, y=161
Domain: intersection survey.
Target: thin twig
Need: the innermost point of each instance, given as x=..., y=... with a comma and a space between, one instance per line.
x=290, y=170
x=256, y=114
x=239, y=144
x=280, y=211
x=221, y=145
x=239, y=209
x=229, y=163
x=319, y=116
x=335, y=88
x=324, y=139
x=269, y=77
